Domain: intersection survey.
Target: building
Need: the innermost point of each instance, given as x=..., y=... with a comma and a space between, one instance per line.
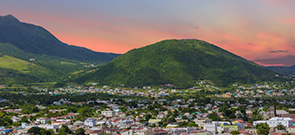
x=202, y=122
x=177, y=131
x=160, y=132
x=251, y=130
x=259, y=122
x=211, y=126
x=43, y=120
x=272, y=111
x=108, y=113
x=291, y=129
x=275, y=121
x=89, y=122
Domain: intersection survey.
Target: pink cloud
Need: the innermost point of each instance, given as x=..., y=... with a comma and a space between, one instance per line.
x=289, y=21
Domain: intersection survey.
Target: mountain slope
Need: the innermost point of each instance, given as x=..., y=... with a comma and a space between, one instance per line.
x=178, y=62
x=37, y=40
x=283, y=70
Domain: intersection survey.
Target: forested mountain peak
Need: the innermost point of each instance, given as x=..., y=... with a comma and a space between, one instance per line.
x=178, y=62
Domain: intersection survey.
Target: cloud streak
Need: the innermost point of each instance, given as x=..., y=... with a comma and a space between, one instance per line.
x=288, y=60
x=278, y=51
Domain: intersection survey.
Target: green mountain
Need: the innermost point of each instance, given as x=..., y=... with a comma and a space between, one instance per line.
x=178, y=62
x=283, y=70
x=31, y=54
x=37, y=40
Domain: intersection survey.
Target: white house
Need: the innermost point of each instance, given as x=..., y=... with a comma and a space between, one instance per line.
x=15, y=119
x=89, y=122
x=108, y=113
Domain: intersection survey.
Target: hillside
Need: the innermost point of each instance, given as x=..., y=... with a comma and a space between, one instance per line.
x=283, y=70
x=37, y=40
x=42, y=68
x=31, y=54
x=178, y=62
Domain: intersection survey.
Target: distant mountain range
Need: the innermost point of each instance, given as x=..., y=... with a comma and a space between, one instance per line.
x=29, y=53
x=180, y=63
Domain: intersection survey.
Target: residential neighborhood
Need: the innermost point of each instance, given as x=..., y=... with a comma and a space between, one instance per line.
x=150, y=111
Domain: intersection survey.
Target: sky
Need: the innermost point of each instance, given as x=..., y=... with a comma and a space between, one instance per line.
x=262, y=31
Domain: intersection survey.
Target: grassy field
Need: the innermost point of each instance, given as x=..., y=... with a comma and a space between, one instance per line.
x=45, y=84
x=13, y=63
x=68, y=63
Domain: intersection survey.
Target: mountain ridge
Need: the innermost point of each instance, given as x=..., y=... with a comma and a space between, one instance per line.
x=36, y=39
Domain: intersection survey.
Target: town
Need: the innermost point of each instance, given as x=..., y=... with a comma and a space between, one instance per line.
x=265, y=108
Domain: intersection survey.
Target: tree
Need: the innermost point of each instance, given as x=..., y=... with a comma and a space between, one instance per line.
x=280, y=126
x=16, y=124
x=262, y=128
x=147, y=117
x=80, y=131
x=165, y=124
x=192, y=124
x=62, y=132
x=24, y=119
x=2, y=123
x=7, y=120
x=235, y=132
x=66, y=129
x=39, y=131
x=28, y=109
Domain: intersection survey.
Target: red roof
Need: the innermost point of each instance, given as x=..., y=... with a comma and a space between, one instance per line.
x=115, y=120
x=159, y=130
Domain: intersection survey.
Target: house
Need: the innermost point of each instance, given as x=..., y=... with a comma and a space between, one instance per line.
x=89, y=122
x=108, y=113
x=96, y=133
x=78, y=123
x=251, y=130
x=161, y=115
x=59, y=123
x=201, y=122
x=291, y=129
x=43, y=120
x=15, y=119
x=171, y=126
x=177, y=131
x=160, y=132
x=154, y=121
x=201, y=132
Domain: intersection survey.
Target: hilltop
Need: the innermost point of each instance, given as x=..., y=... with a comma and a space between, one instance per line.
x=178, y=62
x=37, y=40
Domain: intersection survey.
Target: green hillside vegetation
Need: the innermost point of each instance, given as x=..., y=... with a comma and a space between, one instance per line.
x=284, y=70
x=178, y=62
x=13, y=63
x=16, y=65
x=11, y=77
x=29, y=51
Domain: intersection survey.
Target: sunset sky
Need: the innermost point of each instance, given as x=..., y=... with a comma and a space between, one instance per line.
x=258, y=30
